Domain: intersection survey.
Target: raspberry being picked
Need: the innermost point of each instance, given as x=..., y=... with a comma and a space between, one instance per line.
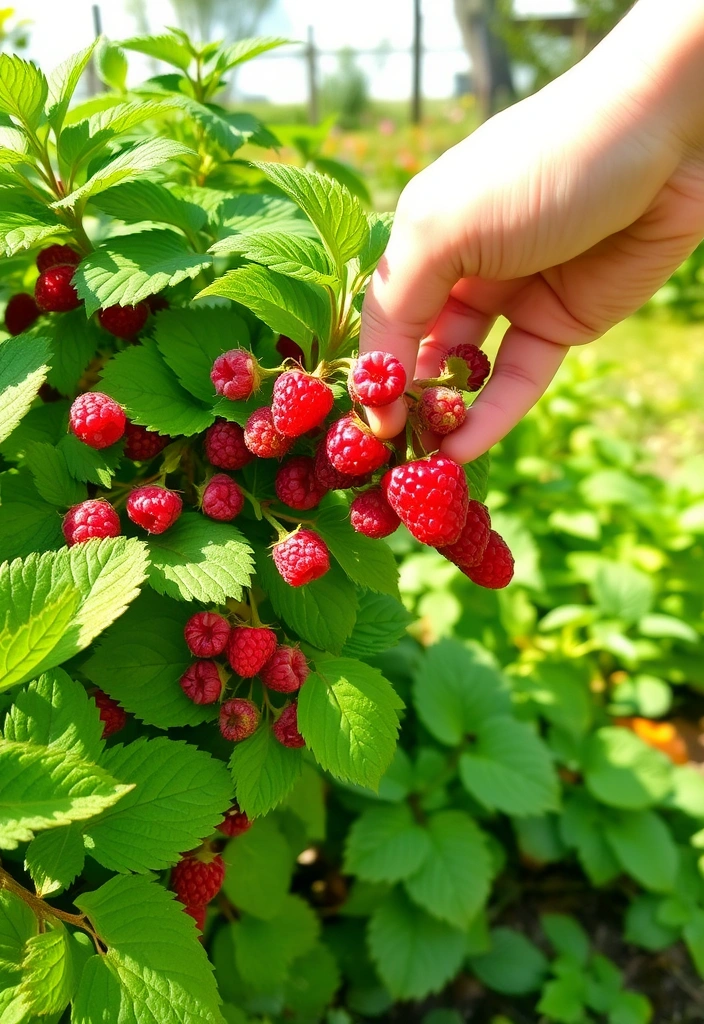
x=56, y=256
x=124, y=321
x=206, y=634
x=235, y=374
x=235, y=823
x=353, y=449
x=141, y=444
x=112, y=715
x=222, y=498
x=286, y=670
x=225, y=447
x=495, y=570
x=301, y=557
x=196, y=880
x=201, y=682
x=92, y=519
x=262, y=438
x=20, y=313
x=430, y=497
x=249, y=648
x=471, y=544
x=376, y=379
x=441, y=410
x=54, y=291
x=155, y=509
x=239, y=718
x=285, y=728
x=371, y=514
x=300, y=402
x=478, y=364
x=97, y=420
x=297, y=485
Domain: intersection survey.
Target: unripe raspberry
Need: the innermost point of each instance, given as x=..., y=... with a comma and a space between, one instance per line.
x=92, y=519
x=225, y=447
x=56, y=256
x=239, y=718
x=430, y=497
x=301, y=557
x=54, y=292
x=286, y=670
x=289, y=349
x=141, y=444
x=198, y=915
x=206, y=634
x=196, y=881
x=376, y=379
x=236, y=822
x=300, y=402
x=201, y=682
x=20, y=313
x=97, y=420
x=285, y=728
x=477, y=363
x=155, y=509
x=469, y=549
x=332, y=479
x=296, y=484
x=352, y=448
x=235, y=374
x=495, y=570
x=112, y=715
x=262, y=438
x=124, y=321
x=222, y=498
x=441, y=410
x=249, y=648
x=371, y=514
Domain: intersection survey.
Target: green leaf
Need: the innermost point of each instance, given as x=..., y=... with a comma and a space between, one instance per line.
x=111, y=64
x=513, y=965
x=687, y=791
x=146, y=200
x=562, y=998
x=54, y=711
x=54, y=859
x=259, y=866
x=246, y=49
x=381, y=622
x=52, y=479
x=345, y=175
x=581, y=828
x=566, y=936
x=291, y=255
x=622, y=771
x=27, y=227
x=642, y=927
x=17, y=925
x=256, y=212
x=14, y=146
x=265, y=949
x=307, y=801
x=630, y=1008
x=312, y=983
x=561, y=695
x=27, y=522
x=23, y=89
x=369, y=563
x=74, y=342
x=264, y=771
x=385, y=844
x=373, y=249
x=693, y=934
x=31, y=642
x=165, y=47
x=48, y=976
x=23, y=369
x=190, y=340
x=62, y=85
x=622, y=592
x=89, y=139
x=477, y=473
x=643, y=845
x=90, y=465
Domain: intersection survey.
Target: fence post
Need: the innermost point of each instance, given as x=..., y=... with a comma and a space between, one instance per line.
x=311, y=62
x=416, y=111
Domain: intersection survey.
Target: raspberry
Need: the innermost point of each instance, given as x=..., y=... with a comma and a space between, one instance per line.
x=198, y=915
x=235, y=374
x=112, y=715
x=54, y=292
x=430, y=496
x=97, y=420
x=441, y=410
x=469, y=549
x=236, y=822
x=289, y=349
x=352, y=448
x=206, y=634
x=196, y=881
x=249, y=648
x=330, y=478
x=90, y=519
x=154, y=508
x=262, y=438
x=371, y=514
x=300, y=402
x=141, y=444
x=20, y=313
x=239, y=718
x=286, y=670
x=495, y=570
x=222, y=498
x=285, y=728
x=297, y=485
x=56, y=256
x=377, y=379
x=124, y=321
x=225, y=447
x=476, y=360
x=201, y=682
x=301, y=558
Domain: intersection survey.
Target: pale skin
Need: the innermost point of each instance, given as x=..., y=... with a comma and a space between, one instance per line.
x=564, y=214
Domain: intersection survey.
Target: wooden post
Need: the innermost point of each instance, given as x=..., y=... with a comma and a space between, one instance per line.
x=416, y=99
x=311, y=61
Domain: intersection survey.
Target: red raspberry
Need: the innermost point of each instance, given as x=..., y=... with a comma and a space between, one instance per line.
x=296, y=484
x=371, y=514
x=112, y=715
x=235, y=374
x=196, y=881
x=330, y=478
x=301, y=557
x=56, y=256
x=286, y=670
x=156, y=303
x=469, y=549
x=154, y=508
x=289, y=349
x=201, y=682
x=376, y=379
x=262, y=438
x=249, y=648
x=198, y=915
x=90, y=519
x=141, y=444
x=300, y=403
x=476, y=360
x=285, y=728
x=430, y=497
x=352, y=448
x=124, y=321
x=236, y=822
x=441, y=410
x=239, y=718
x=20, y=313
x=495, y=570
x=206, y=634
x=225, y=447
x=97, y=420
x=54, y=292
x=222, y=498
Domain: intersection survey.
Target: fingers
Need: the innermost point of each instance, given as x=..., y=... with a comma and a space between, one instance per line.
x=457, y=324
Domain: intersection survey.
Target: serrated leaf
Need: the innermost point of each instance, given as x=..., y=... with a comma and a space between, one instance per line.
x=264, y=771
x=52, y=479
x=380, y=624
x=31, y=642
x=48, y=977
x=622, y=771
x=644, y=846
x=263, y=212
x=373, y=249
x=164, y=47
x=247, y=49
x=23, y=89
x=190, y=340
x=313, y=981
x=13, y=146
x=23, y=369
x=27, y=522
x=54, y=859
x=386, y=844
x=513, y=965
x=369, y=563
x=293, y=256
x=54, y=711
x=74, y=342
x=90, y=465
x=477, y=473
x=111, y=64
x=566, y=936
x=622, y=592
x=581, y=828
x=259, y=866
x=88, y=138
x=146, y=200
x=17, y=925
x=264, y=949
x=62, y=85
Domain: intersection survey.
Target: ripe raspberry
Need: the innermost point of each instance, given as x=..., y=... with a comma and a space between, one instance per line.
x=286, y=670
x=249, y=648
x=352, y=448
x=332, y=479
x=206, y=634
x=376, y=379
x=285, y=728
x=430, y=497
x=239, y=718
x=196, y=881
x=289, y=349
x=301, y=557
x=225, y=447
x=300, y=403
x=124, y=321
x=441, y=410
x=97, y=420
x=371, y=514
x=90, y=519
x=476, y=360
x=201, y=682
x=495, y=570
x=222, y=498
x=112, y=715
x=262, y=438
x=236, y=822
x=56, y=256
x=154, y=508
x=296, y=484
x=54, y=292
x=198, y=915
x=141, y=444
x=469, y=549
x=20, y=313
x=235, y=374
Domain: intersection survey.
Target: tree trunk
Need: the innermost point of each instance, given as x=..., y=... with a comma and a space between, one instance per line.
x=491, y=67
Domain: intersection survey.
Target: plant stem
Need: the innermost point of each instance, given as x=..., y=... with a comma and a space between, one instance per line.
x=43, y=910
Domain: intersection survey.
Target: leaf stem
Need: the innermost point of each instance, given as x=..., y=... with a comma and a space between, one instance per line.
x=41, y=909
